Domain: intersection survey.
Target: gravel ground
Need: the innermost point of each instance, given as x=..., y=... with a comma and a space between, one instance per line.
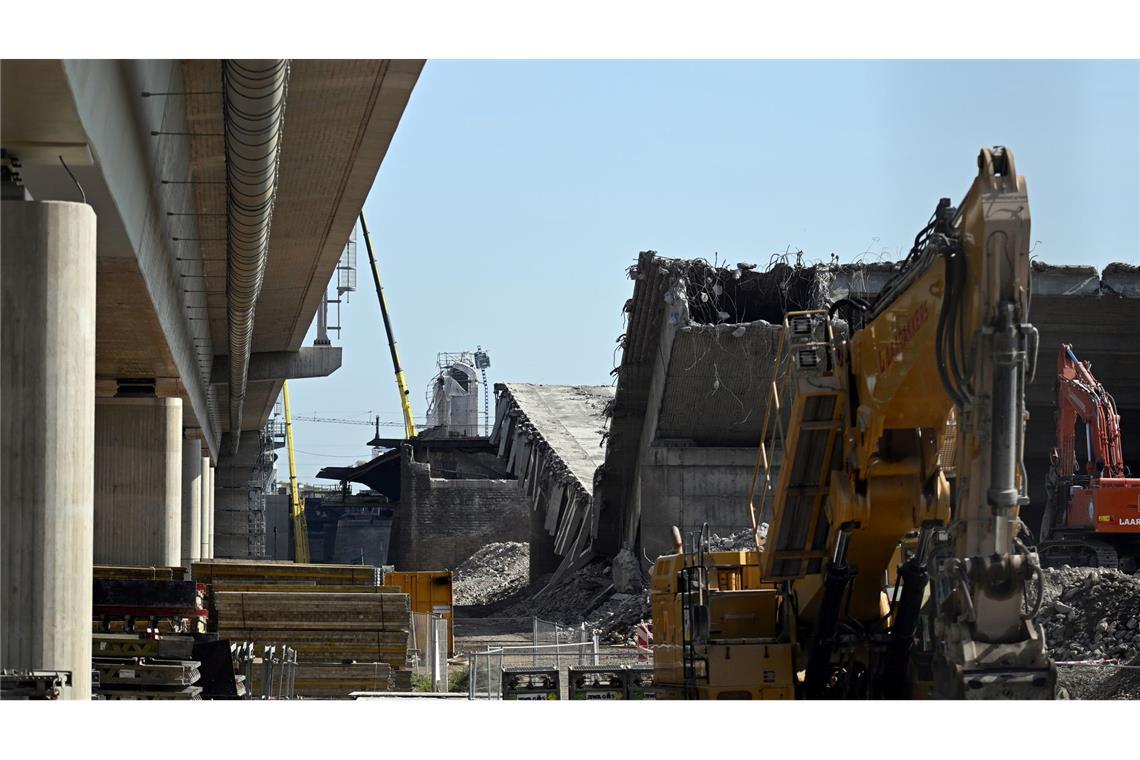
x=1093, y=614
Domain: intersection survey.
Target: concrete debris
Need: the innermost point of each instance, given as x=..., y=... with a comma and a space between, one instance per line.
x=493, y=573
x=741, y=540
x=589, y=596
x=627, y=573
x=616, y=619
x=1091, y=615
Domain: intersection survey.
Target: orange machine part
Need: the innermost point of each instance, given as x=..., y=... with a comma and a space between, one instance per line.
x=1112, y=505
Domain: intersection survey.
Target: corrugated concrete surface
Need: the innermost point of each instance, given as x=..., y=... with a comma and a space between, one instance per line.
x=138, y=481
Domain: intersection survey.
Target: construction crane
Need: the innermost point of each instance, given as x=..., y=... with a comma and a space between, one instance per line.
x=339, y=421
x=401, y=381
x=1091, y=517
x=889, y=562
x=296, y=506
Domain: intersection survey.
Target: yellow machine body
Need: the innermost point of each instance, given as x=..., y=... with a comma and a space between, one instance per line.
x=926, y=386
x=744, y=652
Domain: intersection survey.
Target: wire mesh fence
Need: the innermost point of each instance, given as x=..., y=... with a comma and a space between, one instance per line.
x=428, y=650
x=554, y=646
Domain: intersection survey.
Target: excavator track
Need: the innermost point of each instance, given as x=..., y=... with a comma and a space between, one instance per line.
x=1078, y=551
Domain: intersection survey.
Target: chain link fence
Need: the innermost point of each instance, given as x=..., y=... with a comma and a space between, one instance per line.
x=554, y=645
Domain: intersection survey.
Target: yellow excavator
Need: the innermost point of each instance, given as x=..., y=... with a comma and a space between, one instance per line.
x=889, y=560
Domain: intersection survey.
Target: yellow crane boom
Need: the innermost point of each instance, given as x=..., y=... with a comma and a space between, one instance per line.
x=296, y=506
x=401, y=381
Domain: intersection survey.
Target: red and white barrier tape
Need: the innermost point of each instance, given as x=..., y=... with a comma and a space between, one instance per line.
x=1102, y=663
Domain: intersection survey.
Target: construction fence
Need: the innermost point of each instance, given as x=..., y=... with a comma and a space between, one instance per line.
x=553, y=646
x=428, y=652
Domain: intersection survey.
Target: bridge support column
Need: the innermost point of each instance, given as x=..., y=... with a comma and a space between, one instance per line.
x=138, y=481
x=47, y=420
x=192, y=493
x=207, y=550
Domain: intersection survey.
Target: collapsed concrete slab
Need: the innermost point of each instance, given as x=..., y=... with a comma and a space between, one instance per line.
x=550, y=437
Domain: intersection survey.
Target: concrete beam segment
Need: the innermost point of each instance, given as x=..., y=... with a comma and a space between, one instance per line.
x=269, y=366
x=134, y=165
x=1122, y=279
x=47, y=430
x=138, y=481
x=191, y=501
x=1065, y=281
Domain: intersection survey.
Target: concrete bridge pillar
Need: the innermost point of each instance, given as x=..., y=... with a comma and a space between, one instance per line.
x=207, y=495
x=47, y=420
x=208, y=472
x=192, y=500
x=138, y=481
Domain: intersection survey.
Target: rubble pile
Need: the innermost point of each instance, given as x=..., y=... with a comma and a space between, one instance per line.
x=741, y=540
x=1092, y=616
x=617, y=618
x=586, y=595
x=493, y=573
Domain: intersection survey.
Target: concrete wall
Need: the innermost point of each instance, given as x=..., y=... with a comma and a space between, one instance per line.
x=231, y=522
x=690, y=486
x=138, y=481
x=441, y=522
x=363, y=537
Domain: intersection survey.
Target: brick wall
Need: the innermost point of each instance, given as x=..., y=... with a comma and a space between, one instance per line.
x=441, y=522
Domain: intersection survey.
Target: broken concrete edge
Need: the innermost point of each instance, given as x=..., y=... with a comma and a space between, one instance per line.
x=1117, y=279
x=519, y=424
x=693, y=295
x=551, y=486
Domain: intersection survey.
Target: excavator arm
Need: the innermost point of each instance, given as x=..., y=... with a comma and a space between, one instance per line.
x=1080, y=396
x=930, y=380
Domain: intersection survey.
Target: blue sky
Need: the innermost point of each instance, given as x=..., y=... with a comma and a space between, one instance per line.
x=515, y=194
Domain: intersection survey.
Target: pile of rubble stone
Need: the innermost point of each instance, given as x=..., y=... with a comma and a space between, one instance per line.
x=741, y=540
x=586, y=595
x=1091, y=619
x=493, y=573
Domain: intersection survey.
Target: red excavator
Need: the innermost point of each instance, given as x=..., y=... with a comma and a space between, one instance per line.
x=1092, y=509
